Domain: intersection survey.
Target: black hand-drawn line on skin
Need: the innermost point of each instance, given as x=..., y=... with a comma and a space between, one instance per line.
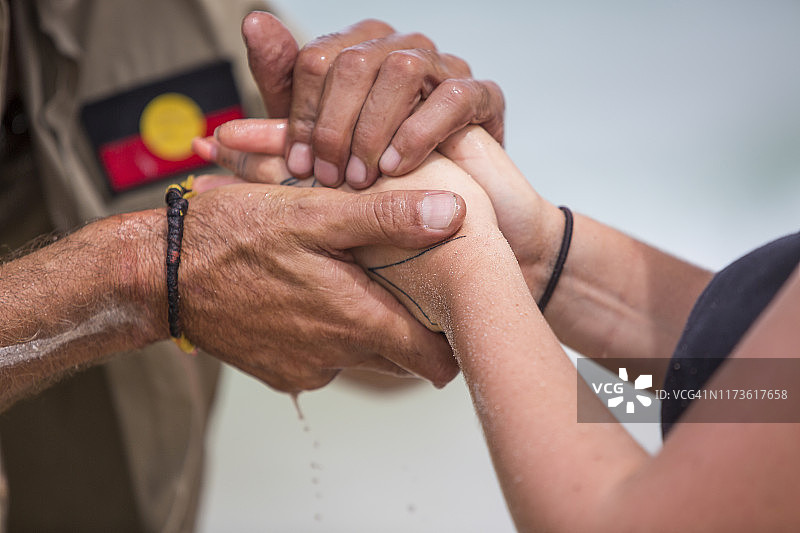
x=296, y=182
x=374, y=271
x=292, y=182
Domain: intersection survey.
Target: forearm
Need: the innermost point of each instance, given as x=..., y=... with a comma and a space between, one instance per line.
x=617, y=296
x=524, y=390
x=68, y=305
x=526, y=395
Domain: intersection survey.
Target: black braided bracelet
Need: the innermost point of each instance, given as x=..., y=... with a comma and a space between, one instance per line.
x=560, y=260
x=177, y=206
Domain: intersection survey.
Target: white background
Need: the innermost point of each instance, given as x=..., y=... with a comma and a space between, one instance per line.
x=678, y=122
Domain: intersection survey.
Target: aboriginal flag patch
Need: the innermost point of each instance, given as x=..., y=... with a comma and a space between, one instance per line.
x=145, y=134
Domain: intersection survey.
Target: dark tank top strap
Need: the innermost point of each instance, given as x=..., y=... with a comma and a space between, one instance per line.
x=733, y=300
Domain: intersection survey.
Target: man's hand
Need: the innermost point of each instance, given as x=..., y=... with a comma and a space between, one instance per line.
x=532, y=225
x=268, y=282
x=420, y=278
x=365, y=100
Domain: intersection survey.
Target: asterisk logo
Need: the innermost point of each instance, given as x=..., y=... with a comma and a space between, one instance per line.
x=644, y=381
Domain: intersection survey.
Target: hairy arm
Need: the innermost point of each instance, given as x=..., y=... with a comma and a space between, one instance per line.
x=71, y=304
x=267, y=283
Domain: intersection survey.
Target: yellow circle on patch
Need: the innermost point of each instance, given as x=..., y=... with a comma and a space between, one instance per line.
x=168, y=124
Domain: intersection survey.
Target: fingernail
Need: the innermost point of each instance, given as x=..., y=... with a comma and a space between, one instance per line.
x=438, y=210
x=356, y=172
x=300, y=161
x=325, y=172
x=390, y=159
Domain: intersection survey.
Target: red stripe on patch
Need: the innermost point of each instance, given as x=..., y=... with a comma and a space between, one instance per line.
x=129, y=163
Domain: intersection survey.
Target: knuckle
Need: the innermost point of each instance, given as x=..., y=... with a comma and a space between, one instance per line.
x=496, y=96
x=494, y=89
x=301, y=128
x=391, y=210
x=376, y=27
x=353, y=59
x=469, y=100
x=314, y=60
x=421, y=40
x=457, y=65
x=482, y=104
x=490, y=103
x=405, y=63
x=457, y=92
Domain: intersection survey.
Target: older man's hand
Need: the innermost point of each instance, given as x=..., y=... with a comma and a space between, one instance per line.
x=364, y=100
x=268, y=283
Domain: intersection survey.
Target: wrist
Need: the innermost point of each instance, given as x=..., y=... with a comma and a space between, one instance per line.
x=139, y=248
x=483, y=273
x=487, y=308
x=537, y=256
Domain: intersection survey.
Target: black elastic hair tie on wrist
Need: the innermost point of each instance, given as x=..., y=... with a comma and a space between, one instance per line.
x=177, y=206
x=560, y=260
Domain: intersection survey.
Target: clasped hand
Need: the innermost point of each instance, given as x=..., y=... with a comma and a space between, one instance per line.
x=308, y=308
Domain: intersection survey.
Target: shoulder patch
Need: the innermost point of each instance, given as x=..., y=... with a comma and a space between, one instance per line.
x=144, y=134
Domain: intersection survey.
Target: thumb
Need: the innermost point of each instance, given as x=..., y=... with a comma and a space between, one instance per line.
x=271, y=54
x=406, y=219
x=482, y=157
